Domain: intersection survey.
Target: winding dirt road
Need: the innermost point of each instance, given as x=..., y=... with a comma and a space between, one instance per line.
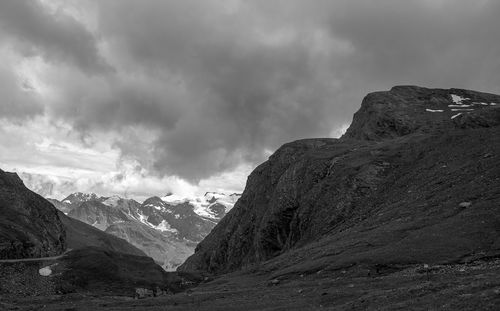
x=36, y=259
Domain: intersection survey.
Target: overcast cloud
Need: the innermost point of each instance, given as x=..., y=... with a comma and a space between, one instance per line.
x=192, y=91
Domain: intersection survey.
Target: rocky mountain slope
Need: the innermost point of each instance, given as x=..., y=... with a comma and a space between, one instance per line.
x=98, y=214
x=165, y=248
x=29, y=225
x=80, y=234
x=179, y=219
x=415, y=179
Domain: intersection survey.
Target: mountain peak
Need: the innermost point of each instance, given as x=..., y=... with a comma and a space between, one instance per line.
x=11, y=178
x=80, y=196
x=408, y=109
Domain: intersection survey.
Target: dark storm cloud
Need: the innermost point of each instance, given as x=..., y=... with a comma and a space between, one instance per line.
x=117, y=101
x=245, y=90
x=441, y=43
x=221, y=82
x=55, y=36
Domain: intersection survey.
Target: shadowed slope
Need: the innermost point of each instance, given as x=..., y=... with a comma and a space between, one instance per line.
x=29, y=225
x=414, y=186
x=81, y=235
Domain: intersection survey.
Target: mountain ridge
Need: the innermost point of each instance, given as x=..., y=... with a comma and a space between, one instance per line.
x=336, y=190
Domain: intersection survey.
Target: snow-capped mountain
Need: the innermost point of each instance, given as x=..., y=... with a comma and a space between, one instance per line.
x=178, y=217
x=213, y=205
x=166, y=228
x=79, y=197
x=73, y=200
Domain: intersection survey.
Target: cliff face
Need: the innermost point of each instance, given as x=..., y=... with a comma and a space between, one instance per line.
x=415, y=179
x=29, y=225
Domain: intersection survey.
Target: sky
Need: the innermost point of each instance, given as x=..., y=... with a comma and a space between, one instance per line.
x=140, y=98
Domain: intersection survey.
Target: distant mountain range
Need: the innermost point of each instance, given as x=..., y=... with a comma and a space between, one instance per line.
x=166, y=228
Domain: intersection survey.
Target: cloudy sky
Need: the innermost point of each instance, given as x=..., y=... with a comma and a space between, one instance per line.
x=143, y=97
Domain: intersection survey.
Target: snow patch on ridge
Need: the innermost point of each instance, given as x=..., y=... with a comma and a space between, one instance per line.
x=165, y=226
x=203, y=210
x=174, y=199
x=458, y=99
x=143, y=218
x=156, y=207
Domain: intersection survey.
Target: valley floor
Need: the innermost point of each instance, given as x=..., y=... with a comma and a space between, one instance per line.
x=473, y=286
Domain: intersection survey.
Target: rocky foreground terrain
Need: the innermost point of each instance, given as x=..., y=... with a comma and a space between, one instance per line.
x=401, y=213
x=473, y=286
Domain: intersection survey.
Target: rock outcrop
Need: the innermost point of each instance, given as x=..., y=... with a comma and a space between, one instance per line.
x=409, y=109
x=388, y=192
x=29, y=225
